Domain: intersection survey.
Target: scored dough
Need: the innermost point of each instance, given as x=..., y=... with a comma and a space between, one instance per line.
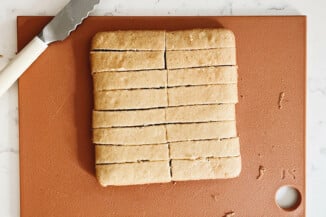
x=212, y=168
x=195, y=58
x=126, y=60
x=199, y=131
x=183, y=114
x=202, y=76
x=200, y=113
x=210, y=94
x=122, y=154
x=133, y=173
x=205, y=148
x=130, y=99
x=130, y=135
x=129, y=40
x=199, y=39
x=164, y=99
x=102, y=119
x=129, y=80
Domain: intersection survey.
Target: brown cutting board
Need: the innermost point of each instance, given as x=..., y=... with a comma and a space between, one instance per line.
x=57, y=156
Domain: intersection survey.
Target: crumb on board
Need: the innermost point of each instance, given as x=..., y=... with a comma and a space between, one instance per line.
x=214, y=197
x=288, y=172
x=261, y=172
x=291, y=172
x=283, y=174
x=174, y=183
x=229, y=214
x=280, y=100
x=1, y=55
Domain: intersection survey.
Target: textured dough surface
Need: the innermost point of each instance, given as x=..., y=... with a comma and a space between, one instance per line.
x=200, y=113
x=199, y=39
x=129, y=40
x=122, y=154
x=205, y=148
x=199, y=131
x=129, y=80
x=210, y=94
x=130, y=135
x=103, y=119
x=164, y=106
x=203, y=76
x=196, y=58
x=130, y=99
x=212, y=168
x=133, y=173
x=126, y=60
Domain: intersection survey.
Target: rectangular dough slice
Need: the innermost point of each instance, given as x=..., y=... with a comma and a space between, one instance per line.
x=130, y=99
x=133, y=173
x=130, y=135
x=198, y=58
x=199, y=131
x=126, y=60
x=104, y=119
x=202, y=76
x=205, y=148
x=211, y=94
x=129, y=40
x=122, y=154
x=200, y=113
x=212, y=168
x=129, y=80
x=199, y=39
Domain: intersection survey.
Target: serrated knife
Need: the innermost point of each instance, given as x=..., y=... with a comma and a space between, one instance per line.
x=57, y=29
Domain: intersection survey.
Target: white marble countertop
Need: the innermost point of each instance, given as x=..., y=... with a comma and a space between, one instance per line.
x=316, y=105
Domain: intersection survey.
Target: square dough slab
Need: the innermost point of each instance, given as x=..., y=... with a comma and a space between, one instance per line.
x=157, y=103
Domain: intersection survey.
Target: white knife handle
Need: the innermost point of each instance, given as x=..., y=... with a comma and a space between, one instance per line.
x=18, y=65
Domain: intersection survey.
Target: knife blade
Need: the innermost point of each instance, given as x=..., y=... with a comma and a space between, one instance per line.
x=57, y=29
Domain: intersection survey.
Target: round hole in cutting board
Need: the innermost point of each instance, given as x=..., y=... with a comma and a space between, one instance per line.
x=288, y=198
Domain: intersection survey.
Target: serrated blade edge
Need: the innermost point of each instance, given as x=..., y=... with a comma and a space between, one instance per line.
x=67, y=20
